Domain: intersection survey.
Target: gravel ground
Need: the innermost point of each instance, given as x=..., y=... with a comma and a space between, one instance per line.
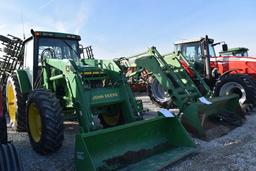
x=234, y=151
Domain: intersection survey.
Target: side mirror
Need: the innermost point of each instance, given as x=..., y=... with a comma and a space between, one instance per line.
x=224, y=47
x=81, y=49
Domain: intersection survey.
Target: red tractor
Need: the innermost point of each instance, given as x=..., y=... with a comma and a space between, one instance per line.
x=225, y=74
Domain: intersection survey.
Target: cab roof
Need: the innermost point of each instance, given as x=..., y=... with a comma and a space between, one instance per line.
x=194, y=40
x=59, y=35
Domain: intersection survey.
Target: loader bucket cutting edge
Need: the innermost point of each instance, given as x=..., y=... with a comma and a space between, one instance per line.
x=193, y=121
x=143, y=145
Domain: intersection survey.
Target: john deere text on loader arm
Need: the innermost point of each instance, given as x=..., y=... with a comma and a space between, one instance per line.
x=195, y=109
x=113, y=134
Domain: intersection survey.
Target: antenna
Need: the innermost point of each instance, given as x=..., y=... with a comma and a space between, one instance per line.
x=22, y=22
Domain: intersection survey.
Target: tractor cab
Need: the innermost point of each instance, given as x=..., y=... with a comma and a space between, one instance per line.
x=194, y=51
x=239, y=51
x=200, y=53
x=43, y=45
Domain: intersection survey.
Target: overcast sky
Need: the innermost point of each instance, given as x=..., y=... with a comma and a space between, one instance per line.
x=123, y=28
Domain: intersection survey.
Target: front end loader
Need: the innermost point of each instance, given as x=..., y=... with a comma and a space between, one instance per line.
x=175, y=89
x=57, y=85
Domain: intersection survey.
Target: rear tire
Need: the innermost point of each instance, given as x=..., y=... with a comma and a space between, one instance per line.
x=45, y=121
x=242, y=84
x=15, y=102
x=9, y=159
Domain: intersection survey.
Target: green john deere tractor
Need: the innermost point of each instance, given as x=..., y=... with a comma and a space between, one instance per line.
x=170, y=86
x=56, y=84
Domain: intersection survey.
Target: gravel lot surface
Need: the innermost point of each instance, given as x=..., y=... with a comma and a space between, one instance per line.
x=234, y=151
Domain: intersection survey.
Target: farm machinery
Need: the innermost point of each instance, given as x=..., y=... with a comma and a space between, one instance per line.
x=239, y=51
x=225, y=74
x=172, y=87
x=9, y=158
x=53, y=83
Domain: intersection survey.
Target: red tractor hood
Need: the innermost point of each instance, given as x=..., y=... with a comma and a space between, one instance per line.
x=238, y=64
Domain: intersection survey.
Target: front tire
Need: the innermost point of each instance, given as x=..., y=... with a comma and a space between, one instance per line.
x=45, y=122
x=241, y=84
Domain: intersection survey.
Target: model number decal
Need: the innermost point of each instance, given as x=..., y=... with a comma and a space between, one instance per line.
x=104, y=96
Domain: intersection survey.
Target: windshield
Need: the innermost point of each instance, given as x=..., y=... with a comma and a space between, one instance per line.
x=191, y=51
x=211, y=51
x=58, y=48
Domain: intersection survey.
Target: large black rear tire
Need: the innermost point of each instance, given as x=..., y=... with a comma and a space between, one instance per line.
x=242, y=84
x=16, y=103
x=9, y=159
x=45, y=121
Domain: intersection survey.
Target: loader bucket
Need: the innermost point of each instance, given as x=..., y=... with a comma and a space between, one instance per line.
x=196, y=115
x=142, y=145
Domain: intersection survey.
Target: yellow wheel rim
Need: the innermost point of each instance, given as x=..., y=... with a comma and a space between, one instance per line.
x=111, y=120
x=11, y=103
x=34, y=121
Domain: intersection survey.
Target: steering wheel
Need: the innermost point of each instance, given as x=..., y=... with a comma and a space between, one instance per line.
x=48, y=53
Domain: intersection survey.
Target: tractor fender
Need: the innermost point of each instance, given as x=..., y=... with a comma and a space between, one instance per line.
x=25, y=86
x=229, y=71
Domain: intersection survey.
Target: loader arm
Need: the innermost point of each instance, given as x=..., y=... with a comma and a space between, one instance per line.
x=176, y=58
x=85, y=100
x=74, y=85
x=166, y=75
